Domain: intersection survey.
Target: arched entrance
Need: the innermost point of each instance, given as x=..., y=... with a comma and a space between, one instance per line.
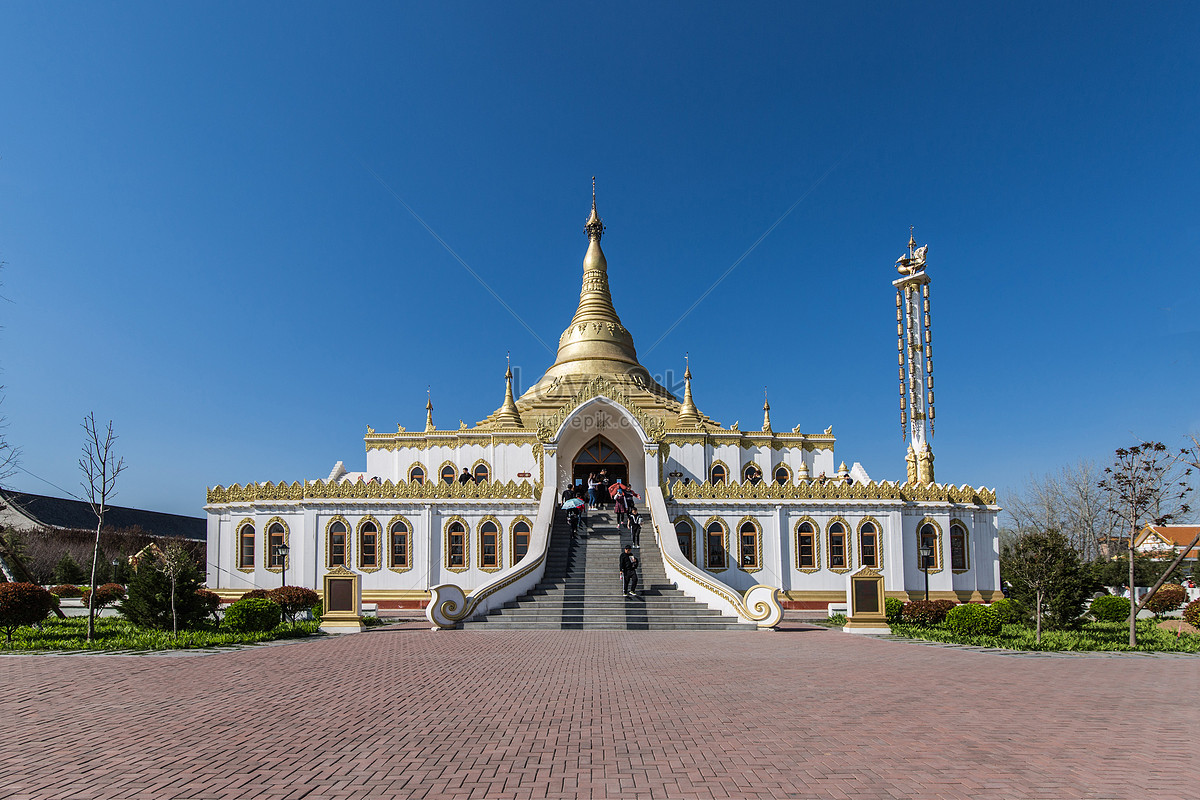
x=599, y=454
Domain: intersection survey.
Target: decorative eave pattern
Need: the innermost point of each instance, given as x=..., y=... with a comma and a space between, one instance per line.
x=420, y=440
x=777, y=441
x=597, y=387
x=372, y=490
x=927, y=493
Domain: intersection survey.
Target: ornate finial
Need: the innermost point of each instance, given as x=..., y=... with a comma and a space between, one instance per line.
x=594, y=227
x=428, y=410
x=508, y=415
x=766, y=412
x=912, y=240
x=689, y=416
x=508, y=370
x=687, y=369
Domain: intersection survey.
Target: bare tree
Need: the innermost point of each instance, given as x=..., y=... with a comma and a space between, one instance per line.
x=9, y=455
x=1144, y=481
x=172, y=561
x=100, y=468
x=1070, y=502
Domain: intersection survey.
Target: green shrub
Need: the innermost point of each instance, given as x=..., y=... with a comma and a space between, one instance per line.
x=209, y=602
x=973, y=619
x=260, y=594
x=1109, y=608
x=892, y=606
x=925, y=612
x=1008, y=611
x=837, y=620
x=23, y=604
x=1191, y=613
x=148, y=603
x=1169, y=597
x=68, y=570
x=294, y=599
x=317, y=610
x=66, y=590
x=253, y=614
x=106, y=595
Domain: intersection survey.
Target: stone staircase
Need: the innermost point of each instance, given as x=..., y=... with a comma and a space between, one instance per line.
x=581, y=588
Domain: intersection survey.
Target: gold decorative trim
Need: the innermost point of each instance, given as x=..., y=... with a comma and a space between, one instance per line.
x=765, y=610
x=691, y=524
x=423, y=440
x=371, y=490
x=966, y=529
x=442, y=468
x=253, y=545
x=728, y=474
x=417, y=465
x=846, y=537
x=267, y=544
x=834, y=490
x=512, y=537
x=878, y=542
x=937, y=551
x=816, y=534
x=758, y=537
x=329, y=541
x=408, y=543
x=358, y=533
x=453, y=605
x=466, y=534
x=499, y=543
x=724, y=545
x=599, y=387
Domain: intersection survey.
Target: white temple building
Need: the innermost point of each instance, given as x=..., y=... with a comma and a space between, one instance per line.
x=744, y=522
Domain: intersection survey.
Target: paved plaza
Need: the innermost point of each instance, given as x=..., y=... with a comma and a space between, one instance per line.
x=404, y=712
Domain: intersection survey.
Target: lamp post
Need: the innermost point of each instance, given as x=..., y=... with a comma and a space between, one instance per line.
x=282, y=551
x=926, y=553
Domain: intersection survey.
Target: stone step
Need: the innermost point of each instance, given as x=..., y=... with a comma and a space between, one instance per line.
x=627, y=625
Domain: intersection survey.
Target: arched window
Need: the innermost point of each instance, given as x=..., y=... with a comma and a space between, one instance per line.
x=246, y=546
x=520, y=540
x=958, y=547
x=714, y=546
x=456, y=546
x=928, y=538
x=400, y=540
x=685, y=534
x=868, y=545
x=337, y=543
x=782, y=475
x=748, y=541
x=482, y=474
x=276, y=538
x=416, y=474
x=718, y=474
x=751, y=474
x=838, y=558
x=806, y=546
x=448, y=474
x=368, y=545
x=489, y=545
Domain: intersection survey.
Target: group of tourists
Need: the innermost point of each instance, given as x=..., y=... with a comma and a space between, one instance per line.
x=594, y=495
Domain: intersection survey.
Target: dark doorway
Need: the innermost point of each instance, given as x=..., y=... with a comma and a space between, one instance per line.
x=596, y=455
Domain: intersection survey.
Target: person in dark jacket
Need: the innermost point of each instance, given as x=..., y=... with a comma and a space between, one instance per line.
x=635, y=526
x=465, y=477
x=629, y=577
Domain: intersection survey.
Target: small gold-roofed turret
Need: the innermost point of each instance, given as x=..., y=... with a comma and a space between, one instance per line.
x=689, y=416
x=766, y=413
x=429, y=414
x=508, y=416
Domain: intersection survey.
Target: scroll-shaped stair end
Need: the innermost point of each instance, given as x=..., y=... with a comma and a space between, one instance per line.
x=762, y=605
x=447, y=605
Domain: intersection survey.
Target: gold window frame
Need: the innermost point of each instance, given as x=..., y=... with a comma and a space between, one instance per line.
x=816, y=534
x=466, y=534
x=442, y=468
x=253, y=545
x=758, y=551
x=787, y=470
x=329, y=541
x=499, y=543
x=956, y=522
x=408, y=544
x=746, y=481
x=358, y=534
x=878, y=541
x=417, y=465
x=512, y=537
x=847, y=539
x=724, y=544
x=936, y=566
x=267, y=544
x=691, y=536
x=719, y=463
x=481, y=463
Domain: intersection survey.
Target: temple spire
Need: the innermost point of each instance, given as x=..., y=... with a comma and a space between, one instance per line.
x=429, y=411
x=508, y=416
x=766, y=413
x=689, y=416
x=594, y=227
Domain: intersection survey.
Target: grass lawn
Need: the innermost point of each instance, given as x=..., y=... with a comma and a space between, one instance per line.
x=1092, y=636
x=114, y=633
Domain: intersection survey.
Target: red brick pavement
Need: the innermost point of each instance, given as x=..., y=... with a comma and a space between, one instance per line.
x=404, y=712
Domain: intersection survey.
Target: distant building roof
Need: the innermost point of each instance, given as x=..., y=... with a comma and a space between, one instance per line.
x=1162, y=538
x=34, y=510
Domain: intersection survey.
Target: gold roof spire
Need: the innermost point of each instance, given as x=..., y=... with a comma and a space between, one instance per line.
x=428, y=410
x=689, y=416
x=508, y=416
x=766, y=412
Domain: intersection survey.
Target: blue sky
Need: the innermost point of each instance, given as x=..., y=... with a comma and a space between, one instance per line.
x=197, y=245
